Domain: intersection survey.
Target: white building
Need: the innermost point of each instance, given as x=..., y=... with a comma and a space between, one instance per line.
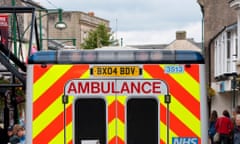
x=227, y=64
x=226, y=57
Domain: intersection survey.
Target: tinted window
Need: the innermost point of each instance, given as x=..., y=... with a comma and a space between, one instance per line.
x=90, y=120
x=142, y=121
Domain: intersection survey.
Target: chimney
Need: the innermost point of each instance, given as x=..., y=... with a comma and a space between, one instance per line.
x=91, y=14
x=181, y=35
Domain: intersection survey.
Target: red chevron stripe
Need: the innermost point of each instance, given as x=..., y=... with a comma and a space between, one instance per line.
x=175, y=89
x=56, y=90
x=193, y=71
x=162, y=142
x=39, y=70
x=120, y=141
x=176, y=125
x=70, y=142
x=112, y=141
x=116, y=140
x=111, y=111
x=53, y=128
x=121, y=112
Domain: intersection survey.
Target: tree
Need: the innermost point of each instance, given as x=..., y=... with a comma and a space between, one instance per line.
x=97, y=38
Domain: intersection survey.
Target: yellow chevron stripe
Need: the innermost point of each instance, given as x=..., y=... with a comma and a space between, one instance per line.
x=110, y=99
x=146, y=74
x=47, y=116
x=163, y=133
x=121, y=129
x=86, y=74
x=121, y=125
x=184, y=115
x=48, y=79
x=163, y=127
x=40, y=123
x=122, y=99
x=59, y=138
x=186, y=79
x=112, y=125
x=177, y=108
x=112, y=129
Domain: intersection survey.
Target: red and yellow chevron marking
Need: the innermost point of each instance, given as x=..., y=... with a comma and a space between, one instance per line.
x=116, y=119
x=47, y=125
x=185, y=102
x=48, y=109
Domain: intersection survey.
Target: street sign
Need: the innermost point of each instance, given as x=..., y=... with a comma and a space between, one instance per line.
x=4, y=30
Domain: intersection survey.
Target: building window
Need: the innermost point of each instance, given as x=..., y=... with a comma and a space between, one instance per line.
x=228, y=52
x=216, y=53
x=85, y=34
x=236, y=47
x=228, y=45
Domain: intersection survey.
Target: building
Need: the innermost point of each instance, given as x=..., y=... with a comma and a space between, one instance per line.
x=183, y=43
x=180, y=43
x=18, y=41
x=14, y=48
x=216, y=15
x=78, y=25
x=23, y=26
x=226, y=57
x=221, y=44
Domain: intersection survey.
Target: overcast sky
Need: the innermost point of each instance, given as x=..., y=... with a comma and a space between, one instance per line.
x=141, y=21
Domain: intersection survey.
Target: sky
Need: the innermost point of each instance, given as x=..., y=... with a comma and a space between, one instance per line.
x=141, y=21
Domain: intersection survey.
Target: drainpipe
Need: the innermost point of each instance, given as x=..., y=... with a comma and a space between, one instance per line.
x=14, y=29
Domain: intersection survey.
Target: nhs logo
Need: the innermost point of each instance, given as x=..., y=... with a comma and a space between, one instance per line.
x=184, y=140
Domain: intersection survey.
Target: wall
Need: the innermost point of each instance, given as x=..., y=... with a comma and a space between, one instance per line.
x=223, y=101
x=217, y=15
x=78, y=25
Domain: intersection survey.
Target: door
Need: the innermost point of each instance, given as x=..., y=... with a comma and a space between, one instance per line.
x=90, y=120
x=142, y=121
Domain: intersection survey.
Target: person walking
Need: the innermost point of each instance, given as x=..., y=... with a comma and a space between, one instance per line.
x=9, y=133
x=212, y=123
x=236, y=130
x=224, y=127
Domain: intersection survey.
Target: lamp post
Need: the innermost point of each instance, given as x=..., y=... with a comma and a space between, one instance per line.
x=233, y=86
x=59, y=25
x=14, y=29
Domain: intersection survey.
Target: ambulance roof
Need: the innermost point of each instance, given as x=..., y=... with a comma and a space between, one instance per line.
x=116, y=56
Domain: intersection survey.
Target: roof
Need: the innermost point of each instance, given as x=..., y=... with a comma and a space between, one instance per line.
x=149, y=46
x=33, y=3
x=187, y=44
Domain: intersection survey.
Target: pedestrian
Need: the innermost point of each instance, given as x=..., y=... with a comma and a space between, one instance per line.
x=236, y=130
x=212, y=123
x=224, y=127
x=22, y=136
x=9, y=133
x=237, y=109
x=18, y=135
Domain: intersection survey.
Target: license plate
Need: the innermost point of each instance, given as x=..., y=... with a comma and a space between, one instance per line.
x=116, y=71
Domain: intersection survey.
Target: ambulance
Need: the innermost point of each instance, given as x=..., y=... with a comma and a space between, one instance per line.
x=123, y=96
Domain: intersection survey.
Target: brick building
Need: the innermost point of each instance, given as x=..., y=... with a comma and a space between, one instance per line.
x=221, y=47
x=78, y=26
x=217, y=14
